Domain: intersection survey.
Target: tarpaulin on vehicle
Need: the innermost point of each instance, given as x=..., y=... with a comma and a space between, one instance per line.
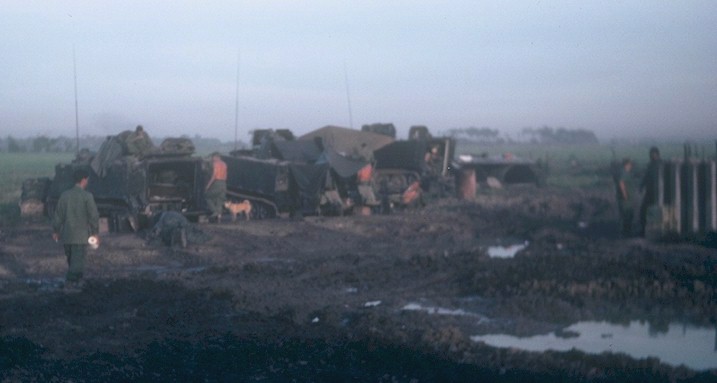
x=123, y=180
x=259, y=177
x=408, y=155
x=349, y=142
x=110, y=151
x=127, y=143
x=179, y=145
x=310, y=181
x=296, y=151
x=343, y=166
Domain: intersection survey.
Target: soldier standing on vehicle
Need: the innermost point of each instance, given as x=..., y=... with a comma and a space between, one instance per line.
x=649, y=186
x=216, y=190
x=626, y=197
x=76, y=219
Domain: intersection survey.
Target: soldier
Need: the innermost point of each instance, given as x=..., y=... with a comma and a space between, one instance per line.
x=138, y=142
x=625, y=191
x=75, y=220
x=216, y=190
x=364, y=177
x=649, y=186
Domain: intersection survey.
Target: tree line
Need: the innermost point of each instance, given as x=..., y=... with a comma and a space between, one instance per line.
x=64, y=144
x=544, y=135
x=45, y=144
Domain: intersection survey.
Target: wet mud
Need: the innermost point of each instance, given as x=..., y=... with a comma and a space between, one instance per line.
x=378, y=298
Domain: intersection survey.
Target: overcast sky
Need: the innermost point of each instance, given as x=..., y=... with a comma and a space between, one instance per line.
x=619, y=68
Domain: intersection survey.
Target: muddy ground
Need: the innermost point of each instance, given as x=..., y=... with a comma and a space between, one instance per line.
x=324, y=299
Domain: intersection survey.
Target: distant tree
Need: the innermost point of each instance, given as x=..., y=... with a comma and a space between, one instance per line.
x=482, y=135
x=548, y=135
x=13, y=146
x=43, y=144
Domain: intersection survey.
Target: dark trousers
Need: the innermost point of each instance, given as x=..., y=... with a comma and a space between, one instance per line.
x=627, y=215
x=76, y=261
x=215, y=196
x=647, y=201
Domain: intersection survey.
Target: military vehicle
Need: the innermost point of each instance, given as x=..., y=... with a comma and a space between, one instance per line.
x=266, y=183
x=385, y=129
x=290, y=177
x=130, y=189
x=506, y=169
x=428, y=162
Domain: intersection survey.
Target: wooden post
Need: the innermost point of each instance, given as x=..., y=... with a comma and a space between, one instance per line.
x=690, y=191
x=675, y=192
x=709, y=193
x=660, y=185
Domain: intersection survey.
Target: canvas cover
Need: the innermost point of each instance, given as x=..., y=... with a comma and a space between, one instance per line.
x=111, y=150
x=408, y=155
x=179, y=145
x=296, y=151
x=343, y=166
x=267, y=179
x=310, y=181
x=349, y=142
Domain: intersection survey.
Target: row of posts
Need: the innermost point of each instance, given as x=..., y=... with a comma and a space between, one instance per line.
x=687, y=196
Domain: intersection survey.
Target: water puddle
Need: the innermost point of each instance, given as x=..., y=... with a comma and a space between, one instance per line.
x=503, y=247
x=695, y=347
x=505, y=251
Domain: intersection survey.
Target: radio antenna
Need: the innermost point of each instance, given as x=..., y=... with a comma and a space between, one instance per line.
x=236, y=105
x=77, y=114
x=348, y=96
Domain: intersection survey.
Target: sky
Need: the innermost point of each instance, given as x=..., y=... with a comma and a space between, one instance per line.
x=618, y=68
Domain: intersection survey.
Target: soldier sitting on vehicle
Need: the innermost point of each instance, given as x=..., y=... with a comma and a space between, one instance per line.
x=138, y=142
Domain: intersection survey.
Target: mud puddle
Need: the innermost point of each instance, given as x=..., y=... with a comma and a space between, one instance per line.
x=678, y=344
x=503, y=247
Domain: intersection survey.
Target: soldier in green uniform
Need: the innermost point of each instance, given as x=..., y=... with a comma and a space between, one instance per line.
x=138, y=142
x=625, y=190
x=649, y=186
x=75, y=220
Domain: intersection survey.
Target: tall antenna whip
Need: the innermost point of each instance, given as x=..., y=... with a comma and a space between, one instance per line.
x=348, y=96
x=236, y=105
x=77, y=114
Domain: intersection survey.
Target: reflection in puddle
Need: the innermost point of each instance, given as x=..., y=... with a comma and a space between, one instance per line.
x=695, y=347
x=505, y=251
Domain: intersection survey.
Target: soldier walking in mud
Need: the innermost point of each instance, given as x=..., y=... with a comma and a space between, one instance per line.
x=625, y=191
x=76, y=219
x=216, y=190
x=649, y=186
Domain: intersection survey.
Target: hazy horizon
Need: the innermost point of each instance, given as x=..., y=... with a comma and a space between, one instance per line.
x=629, y=69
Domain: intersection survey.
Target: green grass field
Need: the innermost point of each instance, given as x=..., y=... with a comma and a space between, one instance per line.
x=591, y=162
x=17, y=167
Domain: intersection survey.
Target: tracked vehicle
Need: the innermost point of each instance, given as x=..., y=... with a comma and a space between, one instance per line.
x=129, y=189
